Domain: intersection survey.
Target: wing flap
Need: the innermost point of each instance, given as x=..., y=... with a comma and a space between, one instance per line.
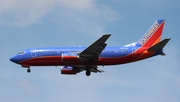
x=93, y=68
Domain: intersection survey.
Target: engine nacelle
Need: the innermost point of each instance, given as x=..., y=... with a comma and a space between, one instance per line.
x=68, y=57
x=69, y=70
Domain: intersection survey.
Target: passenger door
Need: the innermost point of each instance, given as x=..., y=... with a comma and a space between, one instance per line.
x=33, y=52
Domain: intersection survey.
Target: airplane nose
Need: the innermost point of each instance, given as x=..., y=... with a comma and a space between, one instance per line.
x=13, y=59
x=16, y=59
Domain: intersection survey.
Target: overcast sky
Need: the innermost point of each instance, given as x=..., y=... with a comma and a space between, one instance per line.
x=42, y=23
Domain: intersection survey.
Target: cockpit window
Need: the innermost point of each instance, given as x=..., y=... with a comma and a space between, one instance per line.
x=20, y=53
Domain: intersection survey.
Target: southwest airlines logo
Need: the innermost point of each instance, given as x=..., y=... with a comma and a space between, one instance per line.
x=149, y=33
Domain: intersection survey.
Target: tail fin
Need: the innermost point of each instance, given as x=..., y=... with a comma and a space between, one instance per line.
x=153, y=35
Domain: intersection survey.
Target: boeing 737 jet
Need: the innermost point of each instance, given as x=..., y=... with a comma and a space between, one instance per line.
x=77, y=59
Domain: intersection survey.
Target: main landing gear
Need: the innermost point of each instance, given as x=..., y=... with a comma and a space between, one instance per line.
x=88, y=67
x=88, y=73
x=28, y=70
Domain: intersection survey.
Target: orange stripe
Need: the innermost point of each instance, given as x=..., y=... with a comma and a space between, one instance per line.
x=150, y=53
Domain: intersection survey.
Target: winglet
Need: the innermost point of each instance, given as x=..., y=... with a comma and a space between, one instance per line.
x=159, y=45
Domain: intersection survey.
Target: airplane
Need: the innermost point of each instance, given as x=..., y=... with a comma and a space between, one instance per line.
x=77, y=59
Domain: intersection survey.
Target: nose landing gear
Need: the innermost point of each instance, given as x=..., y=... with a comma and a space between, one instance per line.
x=26, y=66
x=28, y=70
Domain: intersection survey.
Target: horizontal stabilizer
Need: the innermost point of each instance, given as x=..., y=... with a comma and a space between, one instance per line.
x=159, y=45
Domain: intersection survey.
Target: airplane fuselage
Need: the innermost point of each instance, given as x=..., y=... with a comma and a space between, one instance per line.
x=59, y=56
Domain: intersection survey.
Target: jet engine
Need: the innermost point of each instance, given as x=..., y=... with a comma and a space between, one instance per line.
x=69, y=70
x=68, y=57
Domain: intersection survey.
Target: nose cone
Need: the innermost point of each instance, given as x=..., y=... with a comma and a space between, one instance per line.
x=16, y=59
x=13, y=59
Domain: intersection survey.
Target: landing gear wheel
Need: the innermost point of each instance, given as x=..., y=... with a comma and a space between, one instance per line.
x=28, y=70
x=88, y=73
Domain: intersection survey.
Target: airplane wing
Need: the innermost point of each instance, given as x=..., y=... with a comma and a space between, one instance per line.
x=92, y=52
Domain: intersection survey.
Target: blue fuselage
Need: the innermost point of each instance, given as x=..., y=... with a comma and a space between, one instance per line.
x=58, y=56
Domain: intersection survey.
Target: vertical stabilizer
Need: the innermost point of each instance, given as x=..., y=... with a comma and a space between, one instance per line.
x=153, y=35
